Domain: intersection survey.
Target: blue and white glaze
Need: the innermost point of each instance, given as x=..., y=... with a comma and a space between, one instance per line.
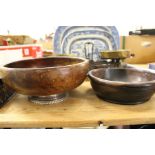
x=152, y=66
x=71, y=39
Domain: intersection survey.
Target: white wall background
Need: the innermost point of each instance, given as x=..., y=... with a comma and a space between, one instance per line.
x=40, y=17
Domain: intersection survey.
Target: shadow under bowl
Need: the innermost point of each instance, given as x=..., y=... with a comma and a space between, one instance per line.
x=123, y=85
x=45, y=80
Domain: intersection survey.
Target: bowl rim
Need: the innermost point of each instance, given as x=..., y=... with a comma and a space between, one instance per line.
x=117, y=83
x=44, y=68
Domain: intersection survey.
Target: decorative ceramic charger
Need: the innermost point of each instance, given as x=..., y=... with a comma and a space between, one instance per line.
x=85, y=41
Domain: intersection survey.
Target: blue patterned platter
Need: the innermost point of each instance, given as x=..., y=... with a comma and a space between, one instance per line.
x=81, y=40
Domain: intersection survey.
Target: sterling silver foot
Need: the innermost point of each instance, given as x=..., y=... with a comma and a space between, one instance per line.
x=51, y=99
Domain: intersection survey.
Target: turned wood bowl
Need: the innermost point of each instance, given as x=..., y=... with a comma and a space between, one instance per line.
x=123, y=85
x=45, y=76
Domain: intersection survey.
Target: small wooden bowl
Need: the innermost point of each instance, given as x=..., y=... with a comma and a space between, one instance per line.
x=123, y=86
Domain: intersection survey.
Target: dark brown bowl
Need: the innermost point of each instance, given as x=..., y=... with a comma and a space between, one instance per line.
x=124, y=86
x=45, y=76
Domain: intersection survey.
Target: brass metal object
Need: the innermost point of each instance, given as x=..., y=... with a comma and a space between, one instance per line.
x=119, y=54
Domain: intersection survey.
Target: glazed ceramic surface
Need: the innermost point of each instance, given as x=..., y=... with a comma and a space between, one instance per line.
x=45, y=76
x=124, y=86
x=152, y=66
x=74, y=39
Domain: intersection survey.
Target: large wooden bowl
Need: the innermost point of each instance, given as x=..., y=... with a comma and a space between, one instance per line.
x=124, y=86
x=45, y=76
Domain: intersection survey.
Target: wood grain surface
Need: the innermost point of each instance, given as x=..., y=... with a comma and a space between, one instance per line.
x=81, y=109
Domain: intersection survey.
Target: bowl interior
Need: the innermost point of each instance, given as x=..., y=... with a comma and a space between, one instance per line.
x=124, y=75
x=44, y=62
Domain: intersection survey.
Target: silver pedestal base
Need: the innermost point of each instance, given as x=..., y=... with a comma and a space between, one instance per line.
x=51, y=99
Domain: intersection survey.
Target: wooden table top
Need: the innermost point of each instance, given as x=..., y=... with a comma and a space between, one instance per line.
x=81, y=109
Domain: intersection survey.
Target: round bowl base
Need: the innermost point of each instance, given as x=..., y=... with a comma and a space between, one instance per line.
x=51, y=99
x=125, y=102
